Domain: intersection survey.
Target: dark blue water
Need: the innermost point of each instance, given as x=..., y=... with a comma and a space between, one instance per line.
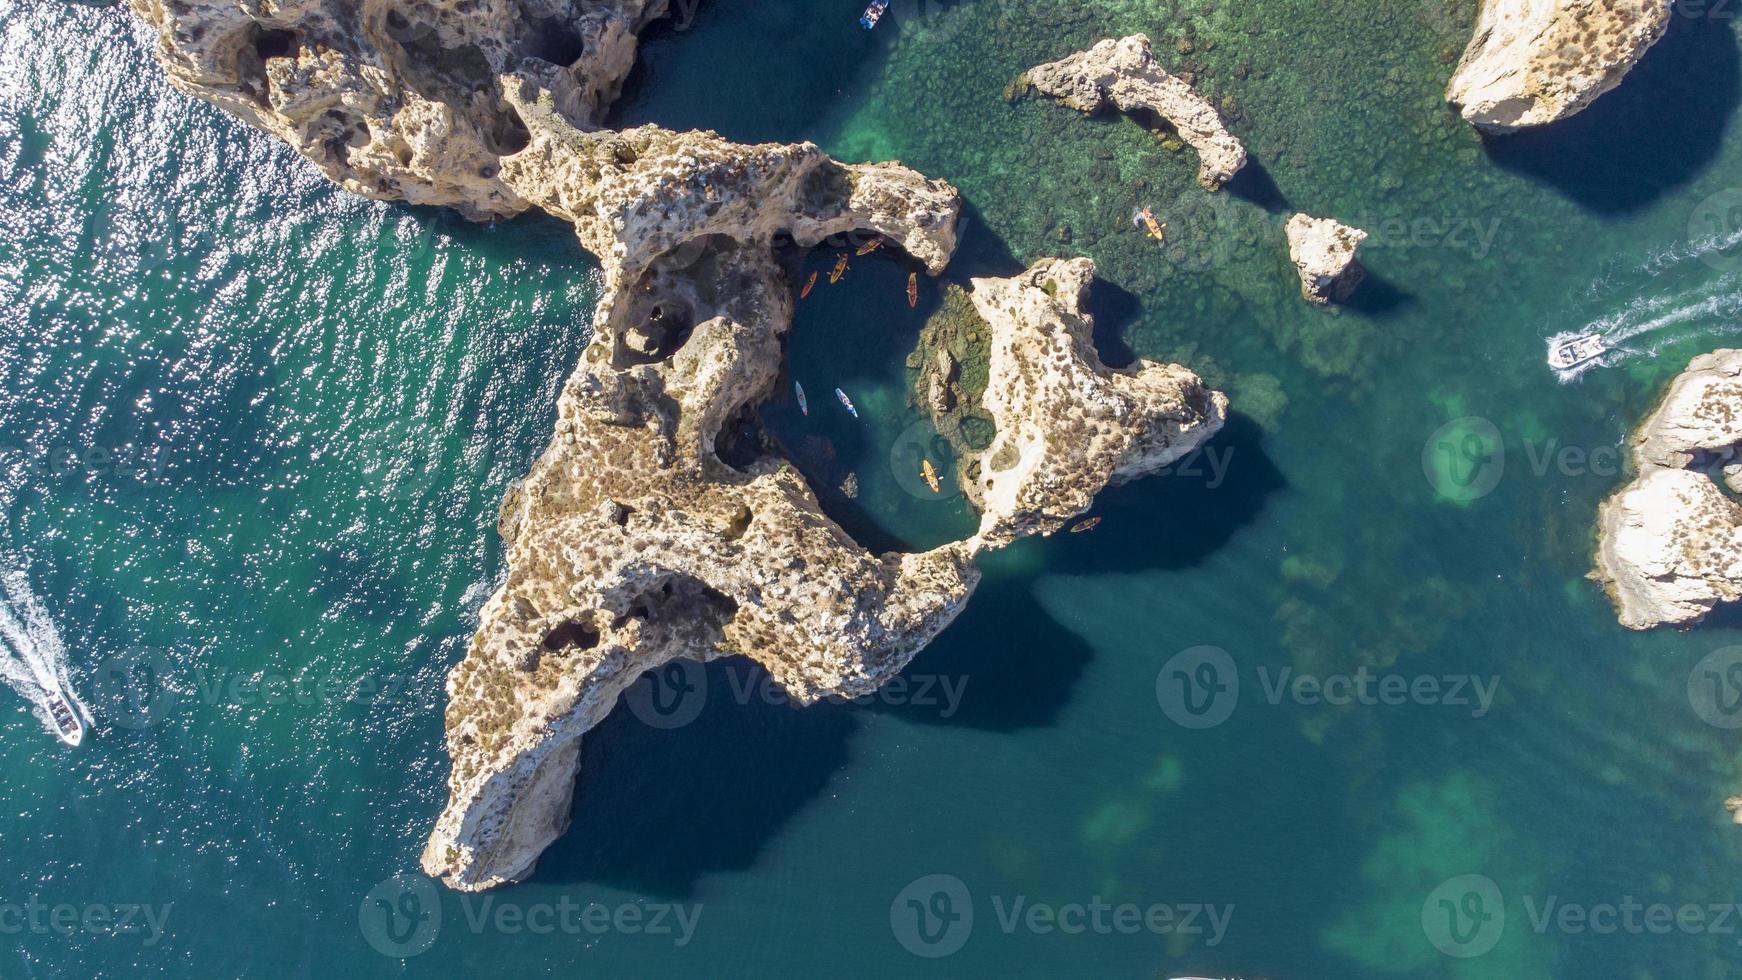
x=255, y=432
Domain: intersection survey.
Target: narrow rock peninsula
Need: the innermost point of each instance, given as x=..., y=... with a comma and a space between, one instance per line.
x=1532, y=62
x=1124, y=73
x=1323, y=253
x=1669, y=545
x=661, y=523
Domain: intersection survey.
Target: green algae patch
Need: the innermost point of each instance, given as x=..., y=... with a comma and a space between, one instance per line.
x=950, y=368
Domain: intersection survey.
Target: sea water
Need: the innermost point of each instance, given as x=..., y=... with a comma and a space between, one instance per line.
x=1336, y=701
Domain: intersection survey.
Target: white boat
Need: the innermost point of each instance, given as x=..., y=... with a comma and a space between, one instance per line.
x=1567, y=352
x=66, y=721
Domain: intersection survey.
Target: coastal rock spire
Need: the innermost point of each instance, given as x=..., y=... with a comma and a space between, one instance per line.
x=1532, y=62
x=1323, y=253
x=1669, y=544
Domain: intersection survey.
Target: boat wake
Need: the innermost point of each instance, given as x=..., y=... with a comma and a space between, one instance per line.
x=1648, y=323
x=32, y=658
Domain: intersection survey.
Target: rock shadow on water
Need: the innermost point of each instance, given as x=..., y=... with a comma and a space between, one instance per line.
x=1653, y=132
x=655, y=809
x=1377, y=295
x=1003, y=666
x=1178, y=518
x=1253, y=183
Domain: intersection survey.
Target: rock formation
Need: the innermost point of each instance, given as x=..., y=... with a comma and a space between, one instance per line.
x=660, y=523
x=1323, y=252
x=1532, y=62
x=1669, y=544
x=1067, y=425
x=1124, y=73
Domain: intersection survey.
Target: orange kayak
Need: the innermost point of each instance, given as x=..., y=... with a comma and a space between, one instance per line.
x=912, y=289
x=839, y=270
x=809, y=284
x=931, y=476
x=871, y=246
x=1088, y=525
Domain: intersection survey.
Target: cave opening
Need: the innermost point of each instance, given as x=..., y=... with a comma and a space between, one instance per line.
x=556, y=42
x=269, y=44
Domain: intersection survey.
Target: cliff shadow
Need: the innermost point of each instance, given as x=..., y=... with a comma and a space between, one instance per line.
x=980, y=251
x=1653, y=132
x=1378, y=295
x=1176, y=518
x=1253, y=184
x=1113, y=308
x=725, y=763
x=1004, y=665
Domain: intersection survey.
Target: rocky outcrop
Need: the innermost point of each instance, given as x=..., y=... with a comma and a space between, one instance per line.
x=1124, y=73
x=1323, y=252
x=661, y=523
x=1067, y=425
x=1535, y=61
x=1669, y=544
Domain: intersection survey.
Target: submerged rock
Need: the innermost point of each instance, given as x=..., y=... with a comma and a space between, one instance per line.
x=660, y=524
x=1323, y=252
x=1669, y=544
x=1124, y=73
x=1535, y=61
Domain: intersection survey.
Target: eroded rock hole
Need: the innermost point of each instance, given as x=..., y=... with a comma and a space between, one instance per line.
x=271, y=44
x=508, y=133
x=556, y=42
x=739, y=442
x=661, y=334
x=571, y=636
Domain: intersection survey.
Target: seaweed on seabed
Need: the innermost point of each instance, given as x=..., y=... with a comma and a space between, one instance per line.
x=956, y=329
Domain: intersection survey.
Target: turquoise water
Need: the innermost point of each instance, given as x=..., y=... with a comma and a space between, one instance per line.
x=255, y=431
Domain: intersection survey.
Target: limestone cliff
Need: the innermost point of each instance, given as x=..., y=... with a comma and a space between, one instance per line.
x=1669, y=544
x=1532, y=62
x=1066, y=424
x=660, y=523
x=1124, y=72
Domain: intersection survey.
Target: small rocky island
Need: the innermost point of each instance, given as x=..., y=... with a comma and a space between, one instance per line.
x=1323, y=253
x=1669, y=545
x=662, y=522
x=1532, y=62
x=1125, y=74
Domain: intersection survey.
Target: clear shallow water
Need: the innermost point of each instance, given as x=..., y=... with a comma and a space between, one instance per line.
x=256, y=430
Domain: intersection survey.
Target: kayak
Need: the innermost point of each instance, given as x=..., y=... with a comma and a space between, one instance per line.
x=871, y=246
x=804, y=407
x=931, y=476
x=1088, y=525
x=809, y=284
x=912, y=290
x=839, y=270
x=846, y=402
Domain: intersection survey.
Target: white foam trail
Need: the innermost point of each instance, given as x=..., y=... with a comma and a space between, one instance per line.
x=32, y=658
x=1670, y=256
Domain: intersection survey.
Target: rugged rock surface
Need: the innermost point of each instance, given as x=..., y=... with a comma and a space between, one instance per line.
x=1323, y=252
x=1067, y=425
x=1532, y=62
x=1669, y=544
x=1124, y=73
x=660, y=524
